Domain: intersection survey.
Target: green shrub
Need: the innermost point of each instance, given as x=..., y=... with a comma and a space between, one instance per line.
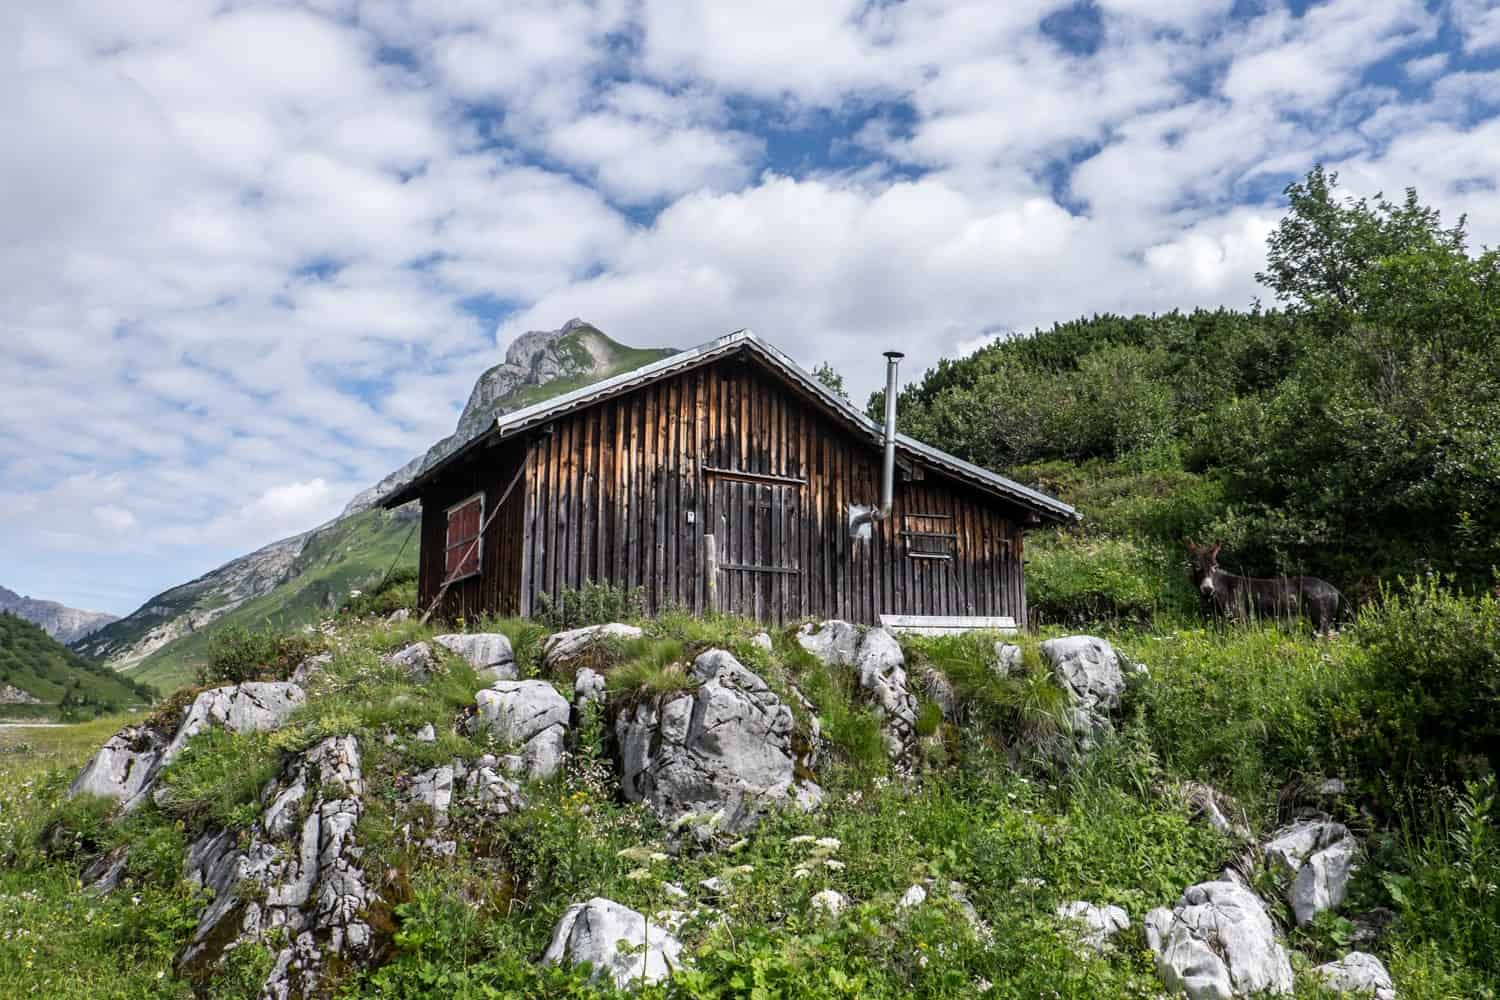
x=1025, y=707
x=592, y=604
x=236, y=654
x=217, y=779
x=1442, y=876
x=396, y=591
x=1074, y=580
x=1429, y=702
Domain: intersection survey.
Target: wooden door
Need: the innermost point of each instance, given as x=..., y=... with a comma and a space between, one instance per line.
x=756, y=522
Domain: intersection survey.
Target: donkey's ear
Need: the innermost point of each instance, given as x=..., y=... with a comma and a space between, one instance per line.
x=1216, y=547
x=1189, y=543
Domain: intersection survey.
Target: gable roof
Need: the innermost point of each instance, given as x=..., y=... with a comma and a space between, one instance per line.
x=742, y=341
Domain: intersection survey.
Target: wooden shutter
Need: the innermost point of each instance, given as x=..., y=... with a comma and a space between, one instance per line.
x=464, y=550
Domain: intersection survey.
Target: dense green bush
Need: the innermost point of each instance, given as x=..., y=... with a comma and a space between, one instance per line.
x=237, y=654
x=1428, y=708
x=1076, y=581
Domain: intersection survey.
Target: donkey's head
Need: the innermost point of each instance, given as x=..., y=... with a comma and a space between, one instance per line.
x=1202, y=564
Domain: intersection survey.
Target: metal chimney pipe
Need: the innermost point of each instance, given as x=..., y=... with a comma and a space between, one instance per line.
x=888, y=472
x=859, y=515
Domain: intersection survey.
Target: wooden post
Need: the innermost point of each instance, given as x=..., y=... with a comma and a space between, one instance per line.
x=711, y=572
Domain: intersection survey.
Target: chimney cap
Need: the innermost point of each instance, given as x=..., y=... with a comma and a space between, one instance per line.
x=894, y=355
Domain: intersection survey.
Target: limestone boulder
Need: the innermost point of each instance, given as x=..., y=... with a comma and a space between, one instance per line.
x=416, y=660
x=429, y=796
x=588, y=688
x=724, y=750
x=1088, y=669
x=1217, y=943
x=531, y=719
x=1318, y=856
x=255, y=706
x=881, y=668
x=1358, y=973
x=311, y=667
x=560, y=649
x=615, y=941
x=1007, y=659
x=125, y=766
x=489, y=653
x=835, y=642
x=1097, y=925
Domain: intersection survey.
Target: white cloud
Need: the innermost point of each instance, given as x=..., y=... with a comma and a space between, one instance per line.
x=239, y=245
x=113, y=517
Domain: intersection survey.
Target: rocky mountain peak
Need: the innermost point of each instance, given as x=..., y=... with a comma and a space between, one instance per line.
x=63, y=623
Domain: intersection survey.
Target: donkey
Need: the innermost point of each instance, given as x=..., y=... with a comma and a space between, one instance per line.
x=1238, y=598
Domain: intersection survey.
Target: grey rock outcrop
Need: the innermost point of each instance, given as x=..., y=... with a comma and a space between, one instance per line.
x=1088, y=669
x=310, y=668
x=489, y=653
x=529, y=717
x=1358, y=973
x=127, y=765
x=561, y=648
x=881, y=668
x=12, y=695
x=1318, y=856
x=477, y=784
x=1098, y=925
x=299, y=876
x=251, y=707
x=124, y=768
x=588, y=688
x=594, y=932
x=1217, y=943
x=1008, y=658
x=416, y=660
x=724, y=750
x=834, y=642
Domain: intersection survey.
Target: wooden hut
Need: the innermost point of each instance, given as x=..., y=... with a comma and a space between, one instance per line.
x=725, y=477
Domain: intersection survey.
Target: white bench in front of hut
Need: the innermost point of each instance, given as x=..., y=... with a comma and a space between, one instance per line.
x=947, y=624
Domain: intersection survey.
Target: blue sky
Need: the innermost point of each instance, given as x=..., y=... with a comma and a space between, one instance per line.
x=254, y=255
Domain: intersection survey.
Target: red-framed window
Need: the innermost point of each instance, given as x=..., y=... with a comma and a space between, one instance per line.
x=463, y=555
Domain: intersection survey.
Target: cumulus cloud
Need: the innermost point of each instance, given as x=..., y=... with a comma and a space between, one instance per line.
x=253, y=256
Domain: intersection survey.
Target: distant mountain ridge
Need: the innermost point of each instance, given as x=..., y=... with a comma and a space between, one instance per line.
x=299, y=578
x=65, y=624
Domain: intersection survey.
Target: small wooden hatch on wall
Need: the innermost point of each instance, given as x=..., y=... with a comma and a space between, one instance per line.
x=929, y=536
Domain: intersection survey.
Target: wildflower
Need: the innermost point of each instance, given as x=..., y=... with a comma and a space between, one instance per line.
x=834, y=864
x=805, y=838
x=829, y=843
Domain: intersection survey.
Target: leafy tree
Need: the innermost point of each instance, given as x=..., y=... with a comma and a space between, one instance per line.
x=1321, y=253
x=830, y=378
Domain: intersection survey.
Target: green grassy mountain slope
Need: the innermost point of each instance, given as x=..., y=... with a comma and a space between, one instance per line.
x=351, y=554
x=42, y=678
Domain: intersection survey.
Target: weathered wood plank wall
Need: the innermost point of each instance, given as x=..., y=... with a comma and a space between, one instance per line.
x=497, y=588
x=623, y=492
